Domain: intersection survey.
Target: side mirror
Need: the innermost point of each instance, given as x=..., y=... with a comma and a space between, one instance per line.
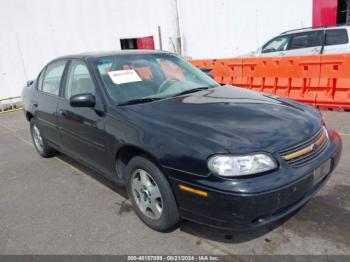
x=257, y=52
x=29, y=83
x=82, y=100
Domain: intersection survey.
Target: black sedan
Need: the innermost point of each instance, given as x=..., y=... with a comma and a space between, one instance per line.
x=184, y=146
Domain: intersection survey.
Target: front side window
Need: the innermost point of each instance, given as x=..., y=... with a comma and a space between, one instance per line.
x=305, y=40
x=336, y=37
x=149, y=76
x=52, y=79
x=276, y=45
x=79, y=80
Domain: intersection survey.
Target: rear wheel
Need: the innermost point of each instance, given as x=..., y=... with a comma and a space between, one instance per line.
x=40, y=143
x=151, y=195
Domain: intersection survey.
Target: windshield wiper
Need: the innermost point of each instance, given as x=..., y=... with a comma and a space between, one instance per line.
x=140, y=101
x=193, y=90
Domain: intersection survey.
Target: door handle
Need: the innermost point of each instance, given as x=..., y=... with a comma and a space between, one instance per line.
x=281, y=54
x=35, y=104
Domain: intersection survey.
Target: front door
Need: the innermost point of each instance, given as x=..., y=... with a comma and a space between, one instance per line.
x=82, y=129
x=276, y=47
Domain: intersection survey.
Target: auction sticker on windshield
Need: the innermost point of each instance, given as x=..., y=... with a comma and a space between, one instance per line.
x=124, y=76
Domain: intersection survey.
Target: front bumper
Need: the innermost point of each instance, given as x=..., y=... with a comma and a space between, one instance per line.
x=252, y=202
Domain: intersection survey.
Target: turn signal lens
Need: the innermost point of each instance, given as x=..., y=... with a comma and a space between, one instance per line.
x=193, y=190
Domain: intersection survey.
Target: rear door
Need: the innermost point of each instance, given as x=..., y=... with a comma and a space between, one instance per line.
x=305, y=43
x=46, y=100
x=82, y=129
x=336, y=41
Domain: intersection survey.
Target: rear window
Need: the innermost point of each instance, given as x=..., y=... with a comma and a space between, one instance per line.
x=336, y=37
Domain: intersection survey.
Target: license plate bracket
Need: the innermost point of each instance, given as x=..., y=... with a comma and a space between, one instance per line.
x=322, y=171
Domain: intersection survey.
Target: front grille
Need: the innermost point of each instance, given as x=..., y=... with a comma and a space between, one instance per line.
x=303, y=153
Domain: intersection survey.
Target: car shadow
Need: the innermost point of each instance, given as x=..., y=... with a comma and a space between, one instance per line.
x=88, y=171
x=326, y=216
x=229, y=236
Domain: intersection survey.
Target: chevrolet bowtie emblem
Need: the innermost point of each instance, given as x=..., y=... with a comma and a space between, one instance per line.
x=314, y=146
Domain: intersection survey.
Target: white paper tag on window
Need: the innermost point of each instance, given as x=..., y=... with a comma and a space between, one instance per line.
x=124, y=76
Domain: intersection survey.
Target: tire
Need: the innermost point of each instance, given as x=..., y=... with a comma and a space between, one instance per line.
x=164, y=200
x=40, y=143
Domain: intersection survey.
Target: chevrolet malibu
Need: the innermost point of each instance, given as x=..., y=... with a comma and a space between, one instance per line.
x=182, y=145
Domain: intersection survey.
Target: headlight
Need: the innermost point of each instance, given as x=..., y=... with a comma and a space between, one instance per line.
x=230, y=166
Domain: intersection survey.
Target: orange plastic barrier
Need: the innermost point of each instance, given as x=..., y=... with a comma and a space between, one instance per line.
x=318, y=80
x=228, y=71
x=334, y=85
x=204, y=63
x=304, y=74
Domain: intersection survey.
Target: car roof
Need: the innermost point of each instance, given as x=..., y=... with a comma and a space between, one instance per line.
x=307, y=29
x=112, y=53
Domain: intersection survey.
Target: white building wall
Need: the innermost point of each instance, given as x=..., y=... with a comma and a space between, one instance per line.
x=36, y=31
x=225, y=28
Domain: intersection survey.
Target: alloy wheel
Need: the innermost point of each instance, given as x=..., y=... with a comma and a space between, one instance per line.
x=38, y=140
x=146, y=194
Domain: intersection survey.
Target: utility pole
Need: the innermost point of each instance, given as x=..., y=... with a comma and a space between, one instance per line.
x=179, y=39
x=347, y=11
x=160, y=38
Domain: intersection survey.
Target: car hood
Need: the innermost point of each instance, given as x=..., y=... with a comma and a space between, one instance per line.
x=239, y=120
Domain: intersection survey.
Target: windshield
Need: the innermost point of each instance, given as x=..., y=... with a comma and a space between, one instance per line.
x=147, y=77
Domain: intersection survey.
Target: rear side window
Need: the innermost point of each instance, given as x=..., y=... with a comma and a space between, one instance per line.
x=336, y=37
x=305, y=40
x=52, y=79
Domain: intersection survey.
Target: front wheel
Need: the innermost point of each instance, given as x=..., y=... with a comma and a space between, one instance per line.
x=151, y=195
